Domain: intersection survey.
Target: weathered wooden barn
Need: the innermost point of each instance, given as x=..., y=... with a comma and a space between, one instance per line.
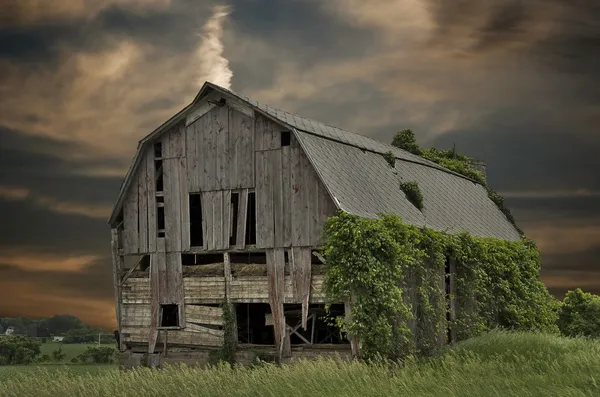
x=226, y=202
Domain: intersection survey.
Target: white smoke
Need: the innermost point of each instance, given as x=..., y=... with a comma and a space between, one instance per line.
x=214, y=67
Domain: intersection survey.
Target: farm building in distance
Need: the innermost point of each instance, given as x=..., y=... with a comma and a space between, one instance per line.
x=226, y=202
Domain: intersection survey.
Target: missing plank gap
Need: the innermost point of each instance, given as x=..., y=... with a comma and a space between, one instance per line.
x=196, y=234
x=235, y=199
x=251, y=219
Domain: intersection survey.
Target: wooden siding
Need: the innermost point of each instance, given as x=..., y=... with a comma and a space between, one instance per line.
x=220, y=151
x=292, y=203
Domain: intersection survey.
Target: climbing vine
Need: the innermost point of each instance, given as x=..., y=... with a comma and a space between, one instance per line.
x=393, y=272
x=413, y=193
x=226, y=352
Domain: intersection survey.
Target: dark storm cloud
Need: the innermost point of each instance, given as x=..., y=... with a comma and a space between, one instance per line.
x=27, y=225
x=523, y=150
x=29, y=163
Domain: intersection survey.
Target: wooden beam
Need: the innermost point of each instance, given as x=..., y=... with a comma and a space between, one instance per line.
x=117, y=266
x=126, y=276
x=352, y=338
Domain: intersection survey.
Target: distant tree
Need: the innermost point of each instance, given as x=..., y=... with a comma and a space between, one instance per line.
x=58, y=355
x=18, y=349
x=1, y=329
x=405, y=139
x=81, y=335
x=61, y=323
x=580, y=314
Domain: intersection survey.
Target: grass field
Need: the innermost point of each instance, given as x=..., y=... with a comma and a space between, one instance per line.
x=71, y=350
x=497, y=364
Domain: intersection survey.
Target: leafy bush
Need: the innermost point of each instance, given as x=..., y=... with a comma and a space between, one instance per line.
x=98, y=355
x=390, y=158
x=580, y=314
x=18, y=349
x=58, y=355
x=413, y=193
x=405, y=139
x=45, y=358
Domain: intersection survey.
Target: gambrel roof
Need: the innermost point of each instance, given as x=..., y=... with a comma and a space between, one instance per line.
x=361, y=182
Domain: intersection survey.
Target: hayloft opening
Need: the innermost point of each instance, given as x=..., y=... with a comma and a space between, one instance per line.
x=196, y=236
x=235, y=199
x=251, y=219
x=251, y=322
x=169, y=315
x=286, y=138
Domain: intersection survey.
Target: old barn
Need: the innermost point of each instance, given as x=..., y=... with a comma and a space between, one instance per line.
x=226, y=202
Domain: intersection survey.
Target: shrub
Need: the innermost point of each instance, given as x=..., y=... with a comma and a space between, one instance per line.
x=98, y=355
x=58, y=355
x=405, y=139
x=580, y=314
x=18, y=349
x=413, y=193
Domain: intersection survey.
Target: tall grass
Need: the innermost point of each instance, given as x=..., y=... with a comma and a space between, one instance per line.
x=497, y=364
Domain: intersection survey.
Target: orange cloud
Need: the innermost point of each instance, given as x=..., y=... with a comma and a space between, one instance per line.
x=14, y=193
x=47, y=262
x=561, y=237
x=37, y=301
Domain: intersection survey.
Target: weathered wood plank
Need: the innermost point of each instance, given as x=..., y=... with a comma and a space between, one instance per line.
x=286, y=188
x=240, y=242
x=172, y=199
x=227, y=273
x=203, y=314
x=199, y=290
x=226, y=219
x=142, y=186
x=300, y=261
x=160, y=262
x=151, y=199
x=217, y=220
x=264, y=202
x=276, y=274
x=117, y=268
x=221, y=131
x=313, y=205
x=297, y=189
x=174, y=283
x=208, y=219
x=155, y=303
x=130, y=221
x=266, y=134
x=241, y=141
x=191, y=158
x=184, y=206
x=276, y=183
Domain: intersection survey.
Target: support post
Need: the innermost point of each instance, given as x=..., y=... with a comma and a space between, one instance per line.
x=117, y=268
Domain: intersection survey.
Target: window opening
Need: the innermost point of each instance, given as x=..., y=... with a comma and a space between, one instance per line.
x=251, y=322
x=251, y=219
x=286, y=138
x=235, y=199
x=158, y=150
x=196, y=236
x=169, y=315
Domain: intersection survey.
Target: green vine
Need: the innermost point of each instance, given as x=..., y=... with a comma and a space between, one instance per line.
x=456, y=162
x=226, y=352
x=390, y=158
x=413, y=193
x=392, y=272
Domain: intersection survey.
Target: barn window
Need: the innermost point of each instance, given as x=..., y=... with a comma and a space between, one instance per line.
x=159, y=175
x=158, y=150
x=251, y=219
x=286, y=138
x=235, y=199
x=160, y=221
x=169, y=315
x=196, y=237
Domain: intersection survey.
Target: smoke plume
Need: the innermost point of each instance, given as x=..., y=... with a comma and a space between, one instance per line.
x=214, y=67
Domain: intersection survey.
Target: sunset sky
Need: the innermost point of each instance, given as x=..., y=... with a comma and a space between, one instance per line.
x=515, y=83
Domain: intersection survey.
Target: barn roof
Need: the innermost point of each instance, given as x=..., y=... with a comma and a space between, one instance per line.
x=361, y=182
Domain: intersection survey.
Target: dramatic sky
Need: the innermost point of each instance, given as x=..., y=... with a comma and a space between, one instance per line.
x=513, y=82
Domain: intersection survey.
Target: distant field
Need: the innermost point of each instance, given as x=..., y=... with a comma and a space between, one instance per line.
x=71, y=350
x=497, y=364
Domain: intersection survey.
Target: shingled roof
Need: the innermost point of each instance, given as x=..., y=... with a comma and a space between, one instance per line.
x=361, y=182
